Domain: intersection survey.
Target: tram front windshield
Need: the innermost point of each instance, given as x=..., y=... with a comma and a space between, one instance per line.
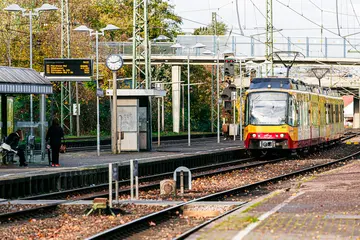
x=267, y=108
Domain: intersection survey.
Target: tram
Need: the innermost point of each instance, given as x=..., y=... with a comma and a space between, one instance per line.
x=284, y=115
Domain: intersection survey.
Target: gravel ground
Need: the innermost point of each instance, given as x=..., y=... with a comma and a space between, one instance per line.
x=71, y=223
x=207, y=185
x=204, y=186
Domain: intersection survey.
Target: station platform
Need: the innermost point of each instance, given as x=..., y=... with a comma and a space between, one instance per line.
x=89, y=159
x=322, y=207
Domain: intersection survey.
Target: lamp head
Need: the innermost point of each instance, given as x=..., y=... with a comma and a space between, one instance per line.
x=160, y=38
x=176, y=45
x=208, y=52
x=14, y=8
x=198, y=45
x=110, y=27
x=46, y=7
x=83, y=28
x=228, y=51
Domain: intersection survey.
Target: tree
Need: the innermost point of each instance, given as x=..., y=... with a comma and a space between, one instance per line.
x=221, y=29
x=14, y=45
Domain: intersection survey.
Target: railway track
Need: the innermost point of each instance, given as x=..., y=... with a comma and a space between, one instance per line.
x=8, y=217
x=141, y=224
x=48, y=209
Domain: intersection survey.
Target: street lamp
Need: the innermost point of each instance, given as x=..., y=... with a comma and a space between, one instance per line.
x=196, y=46
x=83, y=28
x=30, y=13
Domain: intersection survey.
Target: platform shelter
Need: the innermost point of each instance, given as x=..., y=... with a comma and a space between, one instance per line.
x=15, y=81
x=134, y=117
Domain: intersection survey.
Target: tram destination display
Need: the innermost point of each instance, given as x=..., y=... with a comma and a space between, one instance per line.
x=68, y=67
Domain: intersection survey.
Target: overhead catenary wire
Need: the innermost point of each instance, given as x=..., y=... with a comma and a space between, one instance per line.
x=273, y=27
x=337, y=16
x=238, y=17
x=313, y=22
x=356, y=16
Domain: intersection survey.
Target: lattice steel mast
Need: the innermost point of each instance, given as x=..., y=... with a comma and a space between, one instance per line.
x=66, y=97
x=269, y=35
x=141, y=46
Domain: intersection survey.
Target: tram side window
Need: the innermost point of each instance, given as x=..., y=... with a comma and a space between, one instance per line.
x=292, y=112
x=306, y=114
x=336, y=113
x=331, y=113
x=327, y=113
x=314, y=112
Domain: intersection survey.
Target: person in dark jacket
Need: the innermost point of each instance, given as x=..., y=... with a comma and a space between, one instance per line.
x=13, y=140
x=54, y=136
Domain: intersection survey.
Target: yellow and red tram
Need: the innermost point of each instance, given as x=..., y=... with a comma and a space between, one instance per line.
x=282, y=115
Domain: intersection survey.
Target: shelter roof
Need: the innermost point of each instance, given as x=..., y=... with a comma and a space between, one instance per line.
x=23, y=81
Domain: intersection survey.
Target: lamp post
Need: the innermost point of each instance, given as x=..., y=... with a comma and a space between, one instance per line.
x=196, y=46
x=83, y=28
x=30, y=13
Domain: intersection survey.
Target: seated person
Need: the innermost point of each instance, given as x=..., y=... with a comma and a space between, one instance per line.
x=13, y=140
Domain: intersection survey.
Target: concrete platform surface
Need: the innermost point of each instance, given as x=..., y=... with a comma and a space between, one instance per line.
x=86, y=159
x=324, y=207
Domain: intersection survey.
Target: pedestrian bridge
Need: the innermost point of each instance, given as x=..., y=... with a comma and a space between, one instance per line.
x=334, y=53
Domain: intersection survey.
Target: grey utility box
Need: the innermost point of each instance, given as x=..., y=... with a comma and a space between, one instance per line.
x=134, y=117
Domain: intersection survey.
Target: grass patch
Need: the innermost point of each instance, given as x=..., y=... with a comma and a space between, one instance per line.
x=260, y=202
x=236, y=222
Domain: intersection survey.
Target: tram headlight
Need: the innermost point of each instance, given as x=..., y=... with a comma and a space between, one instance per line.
x=282, y=135
x=253, y=135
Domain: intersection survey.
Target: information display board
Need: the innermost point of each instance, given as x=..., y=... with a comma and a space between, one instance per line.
x=68, y=67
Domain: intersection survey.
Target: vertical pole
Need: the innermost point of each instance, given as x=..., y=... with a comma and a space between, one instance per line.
x=62, y=105
x=136, y=187
x=163, y=113
x=326, y=47
x=31, y=96
x=114, y=117
x=146, y=40
x=70, y=109
x=78, y=110
x=182, y=183
x=134, y=45
x=117, y=190
x=119, y=135
x=110, y=185
x=234, y=102
x=158, y=121
x=240, y=104
x=42, y=121
x=212, y=98
x=218, y=92
x=30, y=22
x=97, y=97
x=188, y=91
x=183, y=107
x=307, y=47
x=132, y=179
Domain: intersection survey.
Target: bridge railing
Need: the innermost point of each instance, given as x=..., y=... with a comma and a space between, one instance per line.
x=311, y=47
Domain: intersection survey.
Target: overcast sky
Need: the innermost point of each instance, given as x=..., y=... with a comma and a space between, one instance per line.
x=252, y=12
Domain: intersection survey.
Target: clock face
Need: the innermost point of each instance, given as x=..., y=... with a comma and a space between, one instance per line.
x=114, y=62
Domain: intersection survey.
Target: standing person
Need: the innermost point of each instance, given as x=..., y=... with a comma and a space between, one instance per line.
x=55, y=133
x=13, y=140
